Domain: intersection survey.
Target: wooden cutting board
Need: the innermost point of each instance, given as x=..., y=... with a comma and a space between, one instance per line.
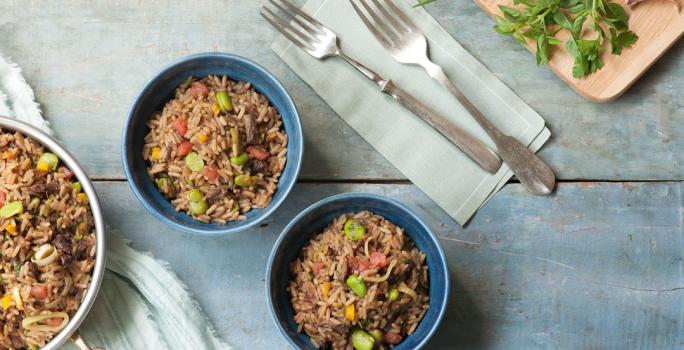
x=656, y=22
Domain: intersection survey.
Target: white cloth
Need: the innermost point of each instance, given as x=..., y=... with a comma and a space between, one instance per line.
x=431, y=162
x=141, y=304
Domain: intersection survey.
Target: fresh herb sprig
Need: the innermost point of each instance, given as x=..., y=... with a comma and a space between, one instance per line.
x=586, y=20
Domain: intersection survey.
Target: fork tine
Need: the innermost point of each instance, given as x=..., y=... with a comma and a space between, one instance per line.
x=398, y=27
x=404, y=18
x=379, y=23
x=309, y=27
x=312, y=20
x=280, y=24
x=370, y=26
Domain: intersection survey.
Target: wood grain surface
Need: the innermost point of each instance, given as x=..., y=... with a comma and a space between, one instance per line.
x=657, y=23
x=597, y=265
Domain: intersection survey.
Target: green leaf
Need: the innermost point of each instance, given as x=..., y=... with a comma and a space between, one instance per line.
x=623, y=40
x=423, y=3
x=542, y=50
x=562, y=20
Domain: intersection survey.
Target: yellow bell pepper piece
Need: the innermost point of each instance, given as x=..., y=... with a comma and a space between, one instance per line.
x=202, y=138
x=43, y=166
x=349, y=312
x=6, y=301
x=216, y=109
x=11, y=228
x=82, y=197
x=156, y=152
x=325, y=288
x=6, y=155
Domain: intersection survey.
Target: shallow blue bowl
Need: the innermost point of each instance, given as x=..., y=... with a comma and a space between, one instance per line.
x=316, y=218
x=159, y=90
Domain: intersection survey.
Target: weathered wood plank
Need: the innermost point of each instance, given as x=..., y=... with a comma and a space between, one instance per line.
x=87, y=60
x=595, y=266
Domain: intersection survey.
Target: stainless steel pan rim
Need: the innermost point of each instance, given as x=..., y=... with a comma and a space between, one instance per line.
x=98, y=271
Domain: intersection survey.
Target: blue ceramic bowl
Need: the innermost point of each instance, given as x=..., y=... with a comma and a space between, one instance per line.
x=316, y=218
x=159, y=90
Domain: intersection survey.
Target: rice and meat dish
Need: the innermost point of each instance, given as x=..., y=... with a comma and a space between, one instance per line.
x=216, y=150
x=359, y=284
x=48, y=243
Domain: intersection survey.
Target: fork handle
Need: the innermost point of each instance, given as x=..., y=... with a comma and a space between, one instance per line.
x=475, y=149
x=531, y=171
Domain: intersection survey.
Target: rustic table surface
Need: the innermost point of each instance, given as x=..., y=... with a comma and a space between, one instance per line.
x=597, y=265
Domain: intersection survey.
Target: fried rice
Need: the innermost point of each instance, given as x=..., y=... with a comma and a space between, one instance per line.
x=361, y=282
x=217, y=149
x=48, y=243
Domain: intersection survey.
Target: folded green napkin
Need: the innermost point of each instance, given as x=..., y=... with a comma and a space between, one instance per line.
x=431, y=162
x=141, y=303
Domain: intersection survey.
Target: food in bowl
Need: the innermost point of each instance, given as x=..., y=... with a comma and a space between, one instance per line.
x=48, y=246
x=217, y=149
x=360, y=283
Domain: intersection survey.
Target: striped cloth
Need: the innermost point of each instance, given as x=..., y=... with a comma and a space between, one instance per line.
x=141, y=304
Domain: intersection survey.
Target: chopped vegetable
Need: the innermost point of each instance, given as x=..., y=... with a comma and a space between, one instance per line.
x=181, y=126
x=45, y=254
x=362, y=340
x=198, y=88
x=17, y=298
x=258, y=153
x=272, y=136
x=215, y=107
x=12, y=208
x=156, y=152
x=349, y=312
x=211, y=174
x=392, y=295
x=35, y=202
x=11, y=228
x=235, y=140
x=194, y=162
x=198, y=208
x=6, y=301
x=78, y=238
x=354, y=230
x=240, y=160
x=82, y=197
x=377, y=335
x=161, y=183
x=245, y=180
x=47, y=161
x=224, y=101
x=325, y=289
x=39, y=291
x=184, y=148
x=9, y=155
x=356, y=284
x=202, y=138
x=33, y=323
x=195, y=195
x=3, y=196
x=377, y=260
x=76, y=186
x=392, y=338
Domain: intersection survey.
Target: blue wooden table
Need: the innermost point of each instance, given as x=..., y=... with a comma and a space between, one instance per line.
x=597, y=265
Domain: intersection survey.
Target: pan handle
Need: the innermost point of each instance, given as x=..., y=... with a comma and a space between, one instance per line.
x=80, y=343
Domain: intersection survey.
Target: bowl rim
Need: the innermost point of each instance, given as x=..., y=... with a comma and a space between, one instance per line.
x=68, y=159
x=266, y=212
x=339, y=197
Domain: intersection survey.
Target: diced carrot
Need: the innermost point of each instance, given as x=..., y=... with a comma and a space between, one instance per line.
x=210, y=173
x=184, y=148
x=181, y=126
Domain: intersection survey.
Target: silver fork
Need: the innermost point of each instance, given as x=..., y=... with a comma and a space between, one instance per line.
x=320, y=42
x=407, y=44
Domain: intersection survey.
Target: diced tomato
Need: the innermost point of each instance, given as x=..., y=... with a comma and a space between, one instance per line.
x=68, y=175
x=392, y=338
x=184, y=148
x=358, y=264
x=3, y=196
x=198, y=88
x=378, y=260
x=181, y=126
x=39, y=291
x=318, y=266
x=53, y=322
x=258, y=153
x=211, y=174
